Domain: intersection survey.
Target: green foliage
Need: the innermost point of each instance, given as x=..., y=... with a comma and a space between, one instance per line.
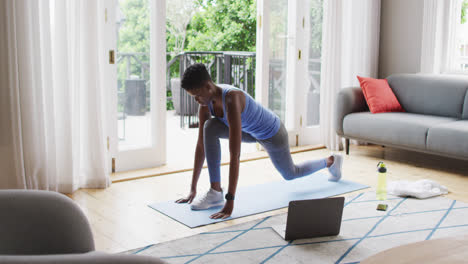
x=223, y=25
x=169, y=103
x=134, y=33
x=464, y=9
x=218, y=25
x=133, y=37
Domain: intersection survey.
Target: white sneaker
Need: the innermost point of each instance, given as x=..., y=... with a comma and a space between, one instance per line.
x=335, y=168
x=211, y=199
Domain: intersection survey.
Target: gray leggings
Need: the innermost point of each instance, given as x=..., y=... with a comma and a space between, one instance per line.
x=277, y=148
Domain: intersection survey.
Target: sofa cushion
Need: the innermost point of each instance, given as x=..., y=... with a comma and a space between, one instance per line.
x=440, y=95
x=449, y=138
x=403, y=129
x=379, y=96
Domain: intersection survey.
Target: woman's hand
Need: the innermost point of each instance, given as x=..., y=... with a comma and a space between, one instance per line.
x=225, y=212
x=189, y=198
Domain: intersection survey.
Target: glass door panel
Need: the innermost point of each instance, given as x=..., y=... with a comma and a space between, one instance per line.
x=310, y=123
x=314, y=63
x=138, y=122
x=278, y=41
x=133, y=74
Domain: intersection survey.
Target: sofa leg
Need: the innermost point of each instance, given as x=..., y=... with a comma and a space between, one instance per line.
x=347, y=146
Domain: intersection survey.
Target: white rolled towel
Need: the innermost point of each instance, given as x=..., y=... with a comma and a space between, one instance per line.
x=420, y=189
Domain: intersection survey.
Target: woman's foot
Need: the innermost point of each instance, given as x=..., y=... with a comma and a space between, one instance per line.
x=335, y=167
x=211, y=199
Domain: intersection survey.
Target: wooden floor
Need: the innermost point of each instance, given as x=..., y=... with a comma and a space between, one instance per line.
x=121, y=219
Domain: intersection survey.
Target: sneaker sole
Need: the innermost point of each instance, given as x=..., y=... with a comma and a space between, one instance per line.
x=206, y=208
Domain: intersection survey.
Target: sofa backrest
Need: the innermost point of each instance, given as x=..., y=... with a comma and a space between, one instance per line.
x=430, y=94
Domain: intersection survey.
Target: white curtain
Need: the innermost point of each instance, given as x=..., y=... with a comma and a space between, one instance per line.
x=53, y=133
x=441, y=22
x=350, y=47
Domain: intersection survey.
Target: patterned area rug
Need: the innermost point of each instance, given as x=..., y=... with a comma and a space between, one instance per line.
x=364, y=232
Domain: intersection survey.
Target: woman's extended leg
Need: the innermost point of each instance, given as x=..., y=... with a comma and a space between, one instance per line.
x=278, y=150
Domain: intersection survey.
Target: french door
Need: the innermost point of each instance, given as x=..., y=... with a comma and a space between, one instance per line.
x=138, y=83
x=287, y=76
x=288, y=65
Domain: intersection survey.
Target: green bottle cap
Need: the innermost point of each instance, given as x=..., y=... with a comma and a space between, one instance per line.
x=381, y=167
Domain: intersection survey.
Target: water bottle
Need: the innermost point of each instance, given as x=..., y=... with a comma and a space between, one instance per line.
x=381, y=182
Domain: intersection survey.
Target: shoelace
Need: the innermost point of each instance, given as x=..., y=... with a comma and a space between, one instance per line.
x=204, y=198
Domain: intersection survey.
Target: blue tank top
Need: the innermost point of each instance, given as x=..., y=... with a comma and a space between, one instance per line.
x=257, y=120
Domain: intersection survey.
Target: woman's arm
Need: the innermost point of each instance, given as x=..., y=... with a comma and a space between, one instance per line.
x=203, y=115
x=235, y=101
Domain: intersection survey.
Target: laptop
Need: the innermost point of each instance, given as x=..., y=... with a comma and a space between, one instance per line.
x=312, y=218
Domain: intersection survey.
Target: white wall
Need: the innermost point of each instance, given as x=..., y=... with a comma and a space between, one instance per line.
x=400, y=36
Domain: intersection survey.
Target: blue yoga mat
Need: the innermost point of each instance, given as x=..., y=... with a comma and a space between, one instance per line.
x=261, y=198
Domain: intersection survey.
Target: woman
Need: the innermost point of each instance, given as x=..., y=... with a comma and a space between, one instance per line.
x=228, y=112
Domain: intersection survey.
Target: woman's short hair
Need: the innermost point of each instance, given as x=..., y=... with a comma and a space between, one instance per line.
x=195, y=77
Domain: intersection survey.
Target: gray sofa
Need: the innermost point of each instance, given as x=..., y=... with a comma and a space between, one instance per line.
x=47, y=227
x=435, y=121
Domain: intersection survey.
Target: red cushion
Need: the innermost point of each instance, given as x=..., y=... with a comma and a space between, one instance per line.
x=379, y=96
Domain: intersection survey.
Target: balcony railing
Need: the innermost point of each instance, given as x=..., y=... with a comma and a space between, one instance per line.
x=236, y=68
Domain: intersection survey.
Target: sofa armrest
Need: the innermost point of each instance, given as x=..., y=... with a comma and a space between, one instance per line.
x=42, y=222
x=349, y=100
x=87, y=258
